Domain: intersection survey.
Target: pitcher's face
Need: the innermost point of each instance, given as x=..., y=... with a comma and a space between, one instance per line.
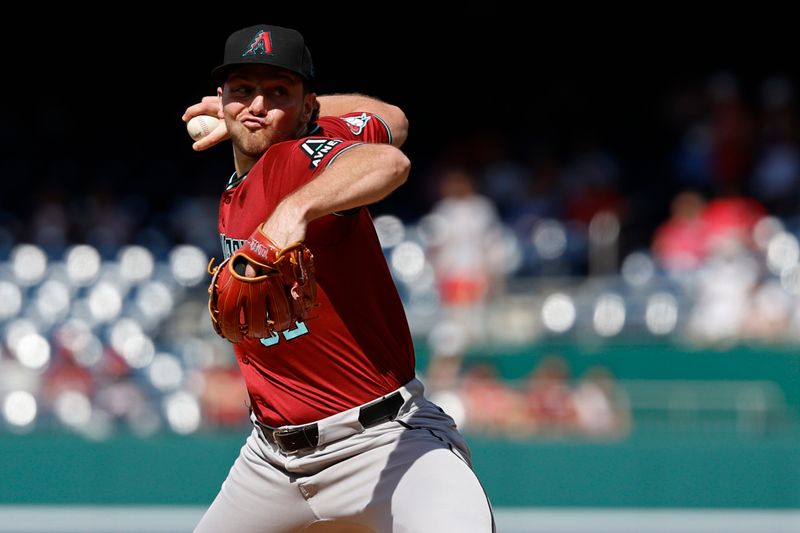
x=264, y=105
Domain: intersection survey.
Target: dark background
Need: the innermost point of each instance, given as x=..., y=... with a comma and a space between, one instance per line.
x=96, y=106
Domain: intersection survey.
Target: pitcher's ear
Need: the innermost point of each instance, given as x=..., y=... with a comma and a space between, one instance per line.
x=309, y=105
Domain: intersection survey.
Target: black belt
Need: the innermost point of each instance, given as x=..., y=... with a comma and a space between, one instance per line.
x=299, y=438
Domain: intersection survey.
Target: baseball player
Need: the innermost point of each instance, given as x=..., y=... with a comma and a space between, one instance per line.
x=343, y=438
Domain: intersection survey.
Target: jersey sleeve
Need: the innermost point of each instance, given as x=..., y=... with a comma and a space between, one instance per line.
x=359, y=126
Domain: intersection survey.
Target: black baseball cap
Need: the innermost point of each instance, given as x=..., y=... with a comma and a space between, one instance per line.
x=266, y=45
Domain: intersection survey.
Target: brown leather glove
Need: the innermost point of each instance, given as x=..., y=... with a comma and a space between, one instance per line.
x=281, y=291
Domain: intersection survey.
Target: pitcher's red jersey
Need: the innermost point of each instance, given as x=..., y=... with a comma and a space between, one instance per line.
x=356, y=346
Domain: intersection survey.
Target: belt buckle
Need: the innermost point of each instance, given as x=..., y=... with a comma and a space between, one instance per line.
x=277, y=435
x=300, y=438
x=276, y=440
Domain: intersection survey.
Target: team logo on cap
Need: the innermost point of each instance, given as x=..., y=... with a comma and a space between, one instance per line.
x=260, y=45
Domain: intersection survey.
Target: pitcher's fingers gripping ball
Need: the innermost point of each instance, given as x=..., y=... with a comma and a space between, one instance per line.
x=201, y=125
x=277, y=290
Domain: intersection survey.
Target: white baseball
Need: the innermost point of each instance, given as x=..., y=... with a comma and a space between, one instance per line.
x=201, y=125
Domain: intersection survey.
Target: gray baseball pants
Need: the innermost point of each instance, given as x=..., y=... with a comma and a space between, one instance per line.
x=409, y=475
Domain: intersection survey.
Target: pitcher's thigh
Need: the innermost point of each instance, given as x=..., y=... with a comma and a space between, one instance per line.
x=439, y=492
x=410, y=483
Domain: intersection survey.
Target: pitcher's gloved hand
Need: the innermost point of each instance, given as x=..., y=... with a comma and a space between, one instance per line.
x=278, y=290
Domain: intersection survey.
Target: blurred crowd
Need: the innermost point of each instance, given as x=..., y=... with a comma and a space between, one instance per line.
x=102, y=297
x=703, y=249
x=546, y=403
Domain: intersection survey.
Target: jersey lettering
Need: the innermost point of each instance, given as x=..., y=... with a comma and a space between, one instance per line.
x=229, y=245
x=289, y=334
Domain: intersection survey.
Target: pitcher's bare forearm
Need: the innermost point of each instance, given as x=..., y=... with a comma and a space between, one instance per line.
x=360, y=176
